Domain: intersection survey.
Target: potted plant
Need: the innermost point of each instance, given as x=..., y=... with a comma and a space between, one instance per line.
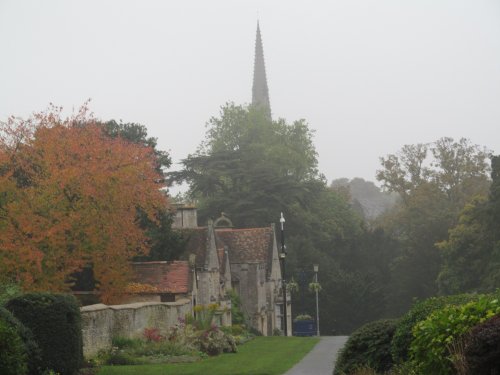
x=304, y=325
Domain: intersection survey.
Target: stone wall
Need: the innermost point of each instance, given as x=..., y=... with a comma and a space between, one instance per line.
x=100, y=323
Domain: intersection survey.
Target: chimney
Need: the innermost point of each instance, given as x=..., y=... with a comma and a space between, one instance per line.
x=185, y=216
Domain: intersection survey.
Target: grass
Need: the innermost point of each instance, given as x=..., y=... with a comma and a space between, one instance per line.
x=260, y=356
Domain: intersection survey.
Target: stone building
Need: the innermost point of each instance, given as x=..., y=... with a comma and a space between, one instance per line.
x=245, y=260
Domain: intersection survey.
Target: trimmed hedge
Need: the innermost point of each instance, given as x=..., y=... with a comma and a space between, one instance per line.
x=400, y=346
x=13, y=355
x=482, y=347
x=32, y=348
x=368, y=346
x=55, y=322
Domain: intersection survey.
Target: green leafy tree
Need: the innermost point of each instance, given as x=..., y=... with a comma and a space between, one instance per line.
x=251, y=167
x=434, y=182
x=472, y=251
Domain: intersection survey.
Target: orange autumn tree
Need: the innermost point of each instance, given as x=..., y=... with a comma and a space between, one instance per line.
x=69, y=198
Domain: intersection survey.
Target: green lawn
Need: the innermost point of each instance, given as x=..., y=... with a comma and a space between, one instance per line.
x=260, y=356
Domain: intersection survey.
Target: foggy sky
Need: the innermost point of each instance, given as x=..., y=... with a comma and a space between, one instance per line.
x=369, y=76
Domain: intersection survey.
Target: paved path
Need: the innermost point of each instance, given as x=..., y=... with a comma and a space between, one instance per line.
x=321, y=359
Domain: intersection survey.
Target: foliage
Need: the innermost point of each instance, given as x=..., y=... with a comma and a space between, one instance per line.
x=471, y=252
x=315, y=287
x=368, y=346
x=32, y=348
x=214, y=342
x=8, y=291
x=434, y=182
x=152, y=335
x=55, y=322
x=250, y=167
x=69, y=198
x=430, y=348
x=204, y=316
x=257, y=356
x=481, y=349
x=237, y=315
x=458, y=168
x=403, y=335
x=303, y=317
x=13, y=354
x=126, y=351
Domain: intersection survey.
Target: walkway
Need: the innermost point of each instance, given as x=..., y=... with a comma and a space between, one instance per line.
x=321, y=359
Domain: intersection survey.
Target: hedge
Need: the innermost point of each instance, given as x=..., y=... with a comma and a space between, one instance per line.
x=55, y=322
x=403, y=336
x=368, y=346
x=482, y=347
x=13, y=355
x=32, y=348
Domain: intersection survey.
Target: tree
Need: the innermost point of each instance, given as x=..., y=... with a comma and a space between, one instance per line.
x=433, y=191
x=69, y=198
x=251, y=167
x=458, y=169
x=472, y=251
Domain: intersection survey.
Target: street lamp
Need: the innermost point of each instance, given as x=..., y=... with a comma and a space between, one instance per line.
x=283, y=281
x=316, y=268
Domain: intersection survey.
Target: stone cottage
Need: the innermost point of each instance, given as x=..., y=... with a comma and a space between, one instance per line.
x=245, y=260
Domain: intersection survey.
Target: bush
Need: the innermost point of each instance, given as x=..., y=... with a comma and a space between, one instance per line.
x=55, y=322
x=214, y=342
x=482, y=347
x=237, y=315
x=13, y=355
x=368, y=346
x=403, y=336
x=435, y=336
x=8, y=291
x=32, y=348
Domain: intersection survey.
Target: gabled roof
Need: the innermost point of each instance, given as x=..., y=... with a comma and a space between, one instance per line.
x=251, y=245
x=165, y=277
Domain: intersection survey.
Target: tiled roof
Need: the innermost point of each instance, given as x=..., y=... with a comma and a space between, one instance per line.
x=167, y=277
x=246, y=245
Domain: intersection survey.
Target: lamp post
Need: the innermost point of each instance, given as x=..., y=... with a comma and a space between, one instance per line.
x=316, y=268
x=283, y=281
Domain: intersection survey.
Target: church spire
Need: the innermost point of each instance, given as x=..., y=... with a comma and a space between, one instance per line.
x=260, y=92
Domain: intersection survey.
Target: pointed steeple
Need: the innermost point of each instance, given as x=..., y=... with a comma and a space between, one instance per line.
x=260, y=92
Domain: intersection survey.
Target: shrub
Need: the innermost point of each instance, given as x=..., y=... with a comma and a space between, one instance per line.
x=214, y=342
x=125, y=342
x=368, y=346
x=55, y=322
x=482, y=347
x=403, y=336
x=237, y=315
x=152, y=334
x=13, y=355
x=8, y=291
x=32, y=348
x=433, y=337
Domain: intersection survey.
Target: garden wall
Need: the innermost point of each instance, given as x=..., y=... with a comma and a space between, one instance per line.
x=100, y=323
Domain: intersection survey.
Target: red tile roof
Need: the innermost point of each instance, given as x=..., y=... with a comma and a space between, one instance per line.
x=167, y=277
x=246, y=245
